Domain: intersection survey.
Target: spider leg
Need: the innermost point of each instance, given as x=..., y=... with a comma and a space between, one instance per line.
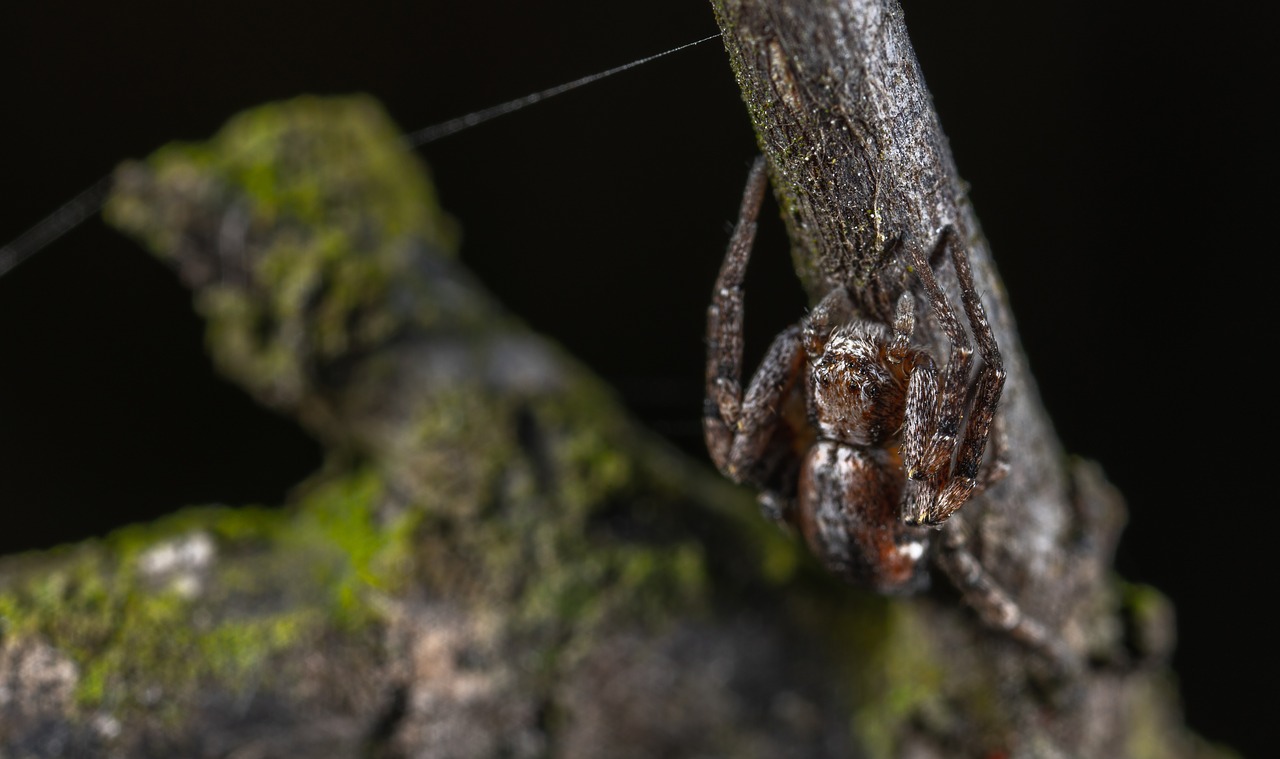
x=754, y=450
x=965, y=475
x=930, y=439
x=993, y=604
x=972, y=302
x=762, y=408
x=953, y=484
x=997, y=466
x=920, y=417
x=763, y=451
x=724, y=325
x=936, y=457
x=739, y=429
x=921, y=408
x=904, y=325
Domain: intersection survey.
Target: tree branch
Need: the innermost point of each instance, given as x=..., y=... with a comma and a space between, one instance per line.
x=862, y=170
x=496, y=560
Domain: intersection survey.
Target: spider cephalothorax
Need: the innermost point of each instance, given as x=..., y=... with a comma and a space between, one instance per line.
x=855, y=437
x=858, y=387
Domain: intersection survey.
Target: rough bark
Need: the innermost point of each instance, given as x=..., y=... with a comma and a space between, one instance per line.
x=496, y=561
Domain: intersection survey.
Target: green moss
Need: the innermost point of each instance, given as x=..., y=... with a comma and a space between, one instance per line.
x=644, y=580
x=353, y=553
x=333, y=163
x=527, y=527
x=239, y=525
x=1145, y=604
x=898, y=663
x=274, y=579
x=1153, y=730
x=234, y=652
x=69, y=598
x=1148, y=616
x=326, y=199
x=131, y=635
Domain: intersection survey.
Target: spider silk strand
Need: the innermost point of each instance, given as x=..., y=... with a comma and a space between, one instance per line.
x=69, y=215
x=89, y=202
x=432, y=133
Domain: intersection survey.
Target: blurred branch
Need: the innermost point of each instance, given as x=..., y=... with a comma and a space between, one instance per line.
x=495, y=561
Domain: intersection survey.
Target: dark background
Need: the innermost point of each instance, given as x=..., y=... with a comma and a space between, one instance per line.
x=1112, y=160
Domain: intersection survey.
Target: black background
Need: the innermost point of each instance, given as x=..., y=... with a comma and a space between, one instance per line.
x=1112, y=158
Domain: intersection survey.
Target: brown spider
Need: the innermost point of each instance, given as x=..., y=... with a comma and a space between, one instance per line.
x=856, y=439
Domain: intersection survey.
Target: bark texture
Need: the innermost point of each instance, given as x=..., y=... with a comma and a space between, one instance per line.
x=495, y=560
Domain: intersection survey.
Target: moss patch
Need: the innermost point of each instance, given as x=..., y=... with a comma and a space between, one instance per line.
x=154, y=614
x=314, y=204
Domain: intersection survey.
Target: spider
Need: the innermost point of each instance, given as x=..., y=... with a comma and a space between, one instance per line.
x=856, y=439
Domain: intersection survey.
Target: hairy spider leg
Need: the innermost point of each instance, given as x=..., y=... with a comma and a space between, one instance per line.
x=961, y=481
x=996, y=467
x=904, y=326
x=755, y=453
x=740, y=430
x=724, y=326
x=933, y=463
x=982, y=424
x=921, y=411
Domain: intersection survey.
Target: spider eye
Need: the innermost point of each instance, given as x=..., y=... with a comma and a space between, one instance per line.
x=871, y=391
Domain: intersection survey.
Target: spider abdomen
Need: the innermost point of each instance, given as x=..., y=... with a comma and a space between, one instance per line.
x=848, y=504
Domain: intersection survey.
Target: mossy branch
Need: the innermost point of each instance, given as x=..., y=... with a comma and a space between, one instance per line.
x=496, y=561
